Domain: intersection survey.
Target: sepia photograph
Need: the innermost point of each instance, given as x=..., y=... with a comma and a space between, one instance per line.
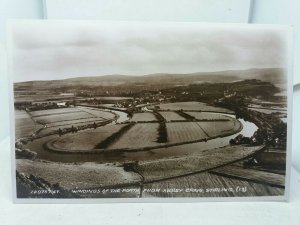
x=149, y=110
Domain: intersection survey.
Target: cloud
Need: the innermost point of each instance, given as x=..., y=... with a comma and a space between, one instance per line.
x=56, y=50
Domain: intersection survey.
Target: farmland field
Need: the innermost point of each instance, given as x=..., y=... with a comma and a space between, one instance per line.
x=85, y=140
x=240, y=172
x=98, y=113
x=147, y=116
x=169, y=116
x=40, y=98
x=63, y=117
x=53, y=111
x=69, y=125
x=65, y=114
x=184, y=132
x=217, y=128
x=186, y=106
x=191, y=163
x=211, y=185
x=116, y=98
x=67, y=117
x=142, y=135
x=25, y=126
x=207, y=116
x=71, y=176
x=269, y=111
x=76, y=122
x=139, y=136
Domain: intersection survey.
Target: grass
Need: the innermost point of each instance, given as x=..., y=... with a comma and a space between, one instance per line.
x=171, y=116
x=211, y=185
x=72, y=176
x=264, y=177
x=220, y=128
x=147, y=116
x=67, y=114
x=98, y=113
x=63, y=117
x=199, y=162
x=76, y=122
x=186, y=106
x=53, y=111
x=106, y=142
x=85, y=140
x=207, y=116
x=139, y=136
x=25, y=126
x=185, y=131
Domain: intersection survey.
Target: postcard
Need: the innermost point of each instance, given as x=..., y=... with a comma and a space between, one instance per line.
x=150, y=111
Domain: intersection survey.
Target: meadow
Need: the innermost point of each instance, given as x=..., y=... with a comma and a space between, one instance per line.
x=146, y=116
x=24, y=125
x=171, y=116
x=184, y=132
x=207, y=116
x=85, y=140
x=191, y=106
x=141, y=135
x=55, y=119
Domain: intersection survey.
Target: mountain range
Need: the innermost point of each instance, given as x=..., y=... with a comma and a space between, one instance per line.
x=273, y=75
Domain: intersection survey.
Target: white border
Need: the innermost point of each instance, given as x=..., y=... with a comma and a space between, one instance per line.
x=45, y=10
x=285, y=197
x=290, y=69
x=239, y=11
x=11, y=109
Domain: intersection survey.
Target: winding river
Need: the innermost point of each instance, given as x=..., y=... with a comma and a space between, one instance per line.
x=175, y=151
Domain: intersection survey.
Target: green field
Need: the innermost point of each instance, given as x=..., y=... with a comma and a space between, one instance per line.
x=184, y=132
x=220, y=128
x=75, y=123
x=171, y=116
x=146, y=116
x=72, y=176
x=84, y=140
x=52, y=120
x=53, y=111
x=211, y=186
x=24, y=125
x=186, y=106
x=207, y=116
x=98, y=113
x=141, y=135
x=198, y=162
x=63, y=117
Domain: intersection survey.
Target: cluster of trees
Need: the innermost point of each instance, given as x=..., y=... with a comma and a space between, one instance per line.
x=162, y=129
x=29, y=106
x=23, y=105
x=162, y=133
x=271, y=130
x=114, y=137
x=185, y=115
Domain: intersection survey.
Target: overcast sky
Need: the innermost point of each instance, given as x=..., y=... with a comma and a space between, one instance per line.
x=48, y=50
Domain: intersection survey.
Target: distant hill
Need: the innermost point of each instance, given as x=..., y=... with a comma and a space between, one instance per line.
x=273, y=75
